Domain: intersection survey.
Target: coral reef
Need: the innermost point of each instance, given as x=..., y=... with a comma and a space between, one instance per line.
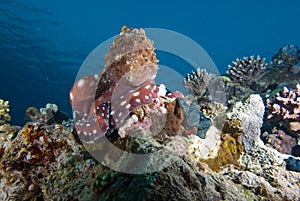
x=6, y=130
x=263, y=168
x=282, y=120
x=287, y=56
x=255, y=171
x=46, y=164
x=184, y=154
x=246, y=70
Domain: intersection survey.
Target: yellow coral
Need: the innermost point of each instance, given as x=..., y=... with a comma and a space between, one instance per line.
x=229, y=153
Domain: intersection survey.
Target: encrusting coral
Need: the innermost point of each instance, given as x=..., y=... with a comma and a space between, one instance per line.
x=246, y=70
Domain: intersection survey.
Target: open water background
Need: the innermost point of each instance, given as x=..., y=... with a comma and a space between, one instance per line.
x=43, y=43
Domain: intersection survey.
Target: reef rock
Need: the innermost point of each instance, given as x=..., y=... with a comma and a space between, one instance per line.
x=49, y=114
x=44, y=163
x=279, y=140
x=264, y=169
x=247, y=118
x=287, y=56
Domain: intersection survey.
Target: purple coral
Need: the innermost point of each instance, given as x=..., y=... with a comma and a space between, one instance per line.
x=246, y=70
x=286, y=106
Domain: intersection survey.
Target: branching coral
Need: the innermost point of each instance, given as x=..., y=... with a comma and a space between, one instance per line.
x=246, y=70
x=207, y=90
x=197, y=81
x=285, y=106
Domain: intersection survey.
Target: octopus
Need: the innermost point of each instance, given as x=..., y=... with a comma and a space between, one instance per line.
x=102, y=102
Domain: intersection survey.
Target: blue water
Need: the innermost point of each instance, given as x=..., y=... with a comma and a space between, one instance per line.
x=43, y=43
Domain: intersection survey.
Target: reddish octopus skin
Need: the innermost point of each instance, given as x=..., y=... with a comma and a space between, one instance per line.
x=107, y=112
x=101, y=102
